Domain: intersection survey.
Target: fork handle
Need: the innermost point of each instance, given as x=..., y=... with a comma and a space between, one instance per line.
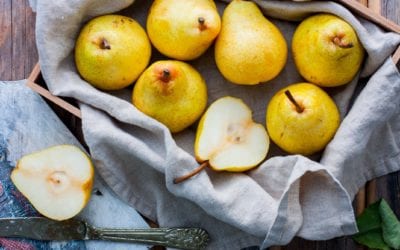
x=183, y=238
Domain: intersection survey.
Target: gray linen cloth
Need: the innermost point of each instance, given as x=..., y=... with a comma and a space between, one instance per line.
x=286, y=195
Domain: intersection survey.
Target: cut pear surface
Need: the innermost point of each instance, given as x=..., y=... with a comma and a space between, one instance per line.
x=228, y=137
x=57, y=181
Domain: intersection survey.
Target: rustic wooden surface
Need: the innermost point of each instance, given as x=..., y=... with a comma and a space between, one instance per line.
x=18, y=55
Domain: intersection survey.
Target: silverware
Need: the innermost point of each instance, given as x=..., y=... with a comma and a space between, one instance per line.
x=45, y=229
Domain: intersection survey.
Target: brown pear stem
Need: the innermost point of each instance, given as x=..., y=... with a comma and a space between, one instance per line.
x=299, y=108
x=191, y=174
x=104, y=44
x=201, y=21
x=166, y=75
x=339, y=42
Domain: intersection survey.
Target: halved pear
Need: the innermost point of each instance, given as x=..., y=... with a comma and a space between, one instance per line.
x=57, y=181
x=228, y=138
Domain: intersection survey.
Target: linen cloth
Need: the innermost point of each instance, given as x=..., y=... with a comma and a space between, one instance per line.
x=287, y=195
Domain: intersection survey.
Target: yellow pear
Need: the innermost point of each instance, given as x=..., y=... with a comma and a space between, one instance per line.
x=228, y=139
x=112, y=51
x=302, y=118
x=326, y=50
x=57, y=180
x=183, y=29
x=249, y=49
x=172, y=92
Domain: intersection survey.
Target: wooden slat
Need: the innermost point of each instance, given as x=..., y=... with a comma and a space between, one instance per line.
x=30, y=46
x=5, y=40
x=360, y=201
x=396, y=56
x=55, y=99
x=19, y=38
x=45, y=93
x=391, y=9
x=34, y=73
x=371, y=15
x=375, y=6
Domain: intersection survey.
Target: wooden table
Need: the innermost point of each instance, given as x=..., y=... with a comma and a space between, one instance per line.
x=18, y=55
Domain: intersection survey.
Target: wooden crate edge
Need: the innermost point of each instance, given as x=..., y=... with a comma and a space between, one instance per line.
x=31, y=83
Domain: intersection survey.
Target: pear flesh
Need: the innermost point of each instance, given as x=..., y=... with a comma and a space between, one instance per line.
x=326, y=50
x=172, y=92
x=249, y=49
x=57, y=181
x=228, y=137
x=183, y=29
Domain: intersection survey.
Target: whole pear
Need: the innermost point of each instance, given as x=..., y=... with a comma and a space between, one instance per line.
x=183, y=29
x=326, y=50
x=112, y=51
x=172, y=92
x=249, y=49
x=302, y=118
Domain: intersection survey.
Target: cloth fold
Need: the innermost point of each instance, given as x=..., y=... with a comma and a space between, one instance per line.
x=286, y=195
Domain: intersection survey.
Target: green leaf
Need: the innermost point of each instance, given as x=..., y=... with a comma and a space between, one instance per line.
x=370, y=219
x=369, y=227
x=372, y=239
x=390, y=225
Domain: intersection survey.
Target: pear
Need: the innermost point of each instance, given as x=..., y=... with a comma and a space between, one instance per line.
x=183, y=29
x=302, y=118
x=172, y=92
x=112, y=51
x=228, y=139
x=249, y=49
x=57, y=180
x=326, y=50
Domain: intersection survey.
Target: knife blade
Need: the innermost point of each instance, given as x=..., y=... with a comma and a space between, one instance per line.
x=40, y=228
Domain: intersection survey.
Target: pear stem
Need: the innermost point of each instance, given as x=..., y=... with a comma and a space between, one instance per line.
x=201, y=21
x=339, y=42
x=166, y=75
x=191, y=174
x=289, y=95
x=104, y=44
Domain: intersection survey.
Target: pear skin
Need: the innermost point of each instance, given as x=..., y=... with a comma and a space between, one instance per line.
x=183, y=29
x=302, y=118
x=249, y=49
x=172, y=92
x=112, y=51
x=326, y=50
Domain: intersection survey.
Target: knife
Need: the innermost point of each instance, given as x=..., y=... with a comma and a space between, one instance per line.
x=39, y=228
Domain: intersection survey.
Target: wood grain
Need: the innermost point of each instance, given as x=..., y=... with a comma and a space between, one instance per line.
x=18, y=55
x=17, y=40
x=6, y=40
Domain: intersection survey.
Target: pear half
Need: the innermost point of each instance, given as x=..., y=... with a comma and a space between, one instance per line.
x=228, y=138
x=57, y=181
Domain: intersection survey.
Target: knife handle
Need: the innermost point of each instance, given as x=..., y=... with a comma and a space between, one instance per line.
x=183, y=238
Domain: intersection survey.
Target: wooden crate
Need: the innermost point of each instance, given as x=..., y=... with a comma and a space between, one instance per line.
x=71, y=115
